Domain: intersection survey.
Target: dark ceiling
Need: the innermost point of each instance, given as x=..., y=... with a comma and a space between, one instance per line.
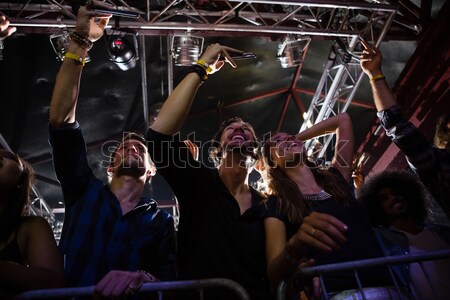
x=259, y=90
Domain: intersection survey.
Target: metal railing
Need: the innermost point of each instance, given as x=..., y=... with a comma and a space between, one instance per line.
x=309, y=272
x=156, y=287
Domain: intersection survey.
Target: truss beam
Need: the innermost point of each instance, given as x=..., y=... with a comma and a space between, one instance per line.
x=315, y=18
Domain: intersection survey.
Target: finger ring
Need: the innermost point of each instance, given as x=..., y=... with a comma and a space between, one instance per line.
x=313, y=231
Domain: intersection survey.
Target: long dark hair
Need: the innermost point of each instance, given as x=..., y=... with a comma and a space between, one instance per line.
x=290, y=198
x=16, y=198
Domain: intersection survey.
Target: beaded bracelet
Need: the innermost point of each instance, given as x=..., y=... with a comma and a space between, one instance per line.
x=200, y=71
x=81, y=40
x=377, y=77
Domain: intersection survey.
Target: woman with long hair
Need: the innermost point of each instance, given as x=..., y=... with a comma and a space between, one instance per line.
x=315, y=217
x=29, y=257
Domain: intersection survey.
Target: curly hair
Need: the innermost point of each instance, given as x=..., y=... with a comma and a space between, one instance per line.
x=290, y=198
x=442, y=133
x=17, y=197
x=407, y=185
x=215, y=152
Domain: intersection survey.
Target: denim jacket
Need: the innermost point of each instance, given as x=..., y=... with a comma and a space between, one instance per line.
x=394, y=242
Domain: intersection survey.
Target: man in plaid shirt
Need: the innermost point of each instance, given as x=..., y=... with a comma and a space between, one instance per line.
x=430, y=162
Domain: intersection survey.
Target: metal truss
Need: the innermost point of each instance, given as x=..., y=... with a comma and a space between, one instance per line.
x=342, y=75
x=219, y=17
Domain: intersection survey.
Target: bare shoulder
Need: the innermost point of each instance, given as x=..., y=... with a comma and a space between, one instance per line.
x=33, y=224
x=35, y=220
x=33, y=228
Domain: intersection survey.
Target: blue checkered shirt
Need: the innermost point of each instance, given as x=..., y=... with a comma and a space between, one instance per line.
x=96, y=238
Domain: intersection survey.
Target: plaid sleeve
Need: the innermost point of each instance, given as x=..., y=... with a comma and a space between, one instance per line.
x=417, y=149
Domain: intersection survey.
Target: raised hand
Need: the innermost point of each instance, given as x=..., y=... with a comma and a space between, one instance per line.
x=91, y=24
x=5, y=29
x=371, y=59
x=212, y=56
x=193, y=148
x=358, y=177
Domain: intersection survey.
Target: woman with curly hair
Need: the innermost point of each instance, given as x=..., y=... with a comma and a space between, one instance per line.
x=29, y=257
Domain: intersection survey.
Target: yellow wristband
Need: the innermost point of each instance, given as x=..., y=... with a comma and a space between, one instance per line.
x=79, y=59
x=204, y=64
x=377, y=77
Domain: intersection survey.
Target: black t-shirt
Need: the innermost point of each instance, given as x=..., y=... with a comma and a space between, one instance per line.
x=214, y=239
x=361, y=242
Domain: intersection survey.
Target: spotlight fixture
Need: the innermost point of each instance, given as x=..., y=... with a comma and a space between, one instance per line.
x=186, y=49
x=290, y=52
x=60, y=44
x=122, y=52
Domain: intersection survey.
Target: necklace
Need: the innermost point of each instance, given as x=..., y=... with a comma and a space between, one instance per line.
x=322, y=195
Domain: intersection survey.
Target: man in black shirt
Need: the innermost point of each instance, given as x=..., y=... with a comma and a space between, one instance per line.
x=220, y=231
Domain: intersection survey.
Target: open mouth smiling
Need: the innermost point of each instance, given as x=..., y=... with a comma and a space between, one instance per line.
x=292, y=145
x=238, y=137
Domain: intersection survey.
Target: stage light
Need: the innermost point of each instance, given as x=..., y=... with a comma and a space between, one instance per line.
x=60, y=44
x=290, y=52
x=122, y=52
x=186, y=49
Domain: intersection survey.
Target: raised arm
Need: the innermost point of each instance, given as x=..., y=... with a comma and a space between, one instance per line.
x=371, y=65
x=65, y=92
x=5, y=29
x=174, y=111
x=340, y=124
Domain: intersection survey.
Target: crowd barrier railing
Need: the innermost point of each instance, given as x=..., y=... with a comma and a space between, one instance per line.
x=318, y=271
x=158, y=287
